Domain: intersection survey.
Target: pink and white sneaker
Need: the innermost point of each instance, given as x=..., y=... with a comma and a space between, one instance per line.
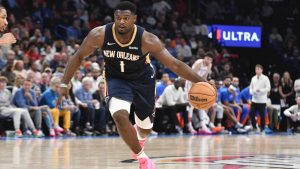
x=58, y=129
x=142, y=144
x=205, y=131
x=52, y=133
x=146, y=163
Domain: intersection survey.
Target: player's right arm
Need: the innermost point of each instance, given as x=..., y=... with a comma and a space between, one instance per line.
x=151, y=43
x=91, y=42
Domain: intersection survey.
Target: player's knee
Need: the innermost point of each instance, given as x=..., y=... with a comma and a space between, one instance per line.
x=121, y=116
x=145, y=124
x=116, y=105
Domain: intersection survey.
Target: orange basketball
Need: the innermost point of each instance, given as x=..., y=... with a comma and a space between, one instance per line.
x=202, y=95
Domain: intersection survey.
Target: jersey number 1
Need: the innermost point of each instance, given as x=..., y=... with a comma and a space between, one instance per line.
x=122, y=66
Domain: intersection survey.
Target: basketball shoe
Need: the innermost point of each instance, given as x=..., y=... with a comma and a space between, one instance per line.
x=146, y=163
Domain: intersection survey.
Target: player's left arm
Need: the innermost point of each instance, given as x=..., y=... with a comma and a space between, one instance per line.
x=151, y=43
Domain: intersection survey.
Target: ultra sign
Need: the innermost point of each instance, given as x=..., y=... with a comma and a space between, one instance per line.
x=237, y=36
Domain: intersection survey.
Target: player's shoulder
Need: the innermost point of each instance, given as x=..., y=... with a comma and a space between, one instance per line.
x=97, y=31
x=198, y=61
x=149, y=38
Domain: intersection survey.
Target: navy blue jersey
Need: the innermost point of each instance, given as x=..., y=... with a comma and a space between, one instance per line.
x=125, y=61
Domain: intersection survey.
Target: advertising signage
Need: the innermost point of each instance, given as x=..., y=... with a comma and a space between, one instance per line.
x=236, y=36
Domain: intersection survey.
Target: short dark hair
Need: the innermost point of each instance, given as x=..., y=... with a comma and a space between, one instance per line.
x=2, y=7
x=209, y=54
x=126, y=5
x=260, y=66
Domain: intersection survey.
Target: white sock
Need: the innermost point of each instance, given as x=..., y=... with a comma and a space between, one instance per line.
x=142, y=154
x=140, y=138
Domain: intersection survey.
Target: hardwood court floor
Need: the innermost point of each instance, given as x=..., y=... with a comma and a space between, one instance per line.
x=176, y=152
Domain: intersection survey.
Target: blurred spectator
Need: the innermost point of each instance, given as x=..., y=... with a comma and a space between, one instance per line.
x=275, y=38
x=96, y=78
x=188, y=28
x=59, y=71
x=18, y=68
x=49, y=98
x=290, y=36
x=69, y=105
x=34, y=73
x=8, y=72
x=41, y=61
x=267, y=10
x=293, y=114
x=32, y=52
x=162, y=84
x=55, y=62
x=226, y=72
x=44, y=84
x=273, y=116
x=274, y=93
x=88, y=106
x=170, y=102
x=160, y=8
x=8, y=110
x=25, y=98
x=201, y=29
x=286, y=90
x=76, y=81
x=75, y=30
x=49, y=53
x=100, y=96
x=297, y=87
x=17, y=84
x=170, y=48
x=183, y=50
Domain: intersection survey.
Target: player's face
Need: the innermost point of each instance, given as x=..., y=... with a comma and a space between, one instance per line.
x=3, y=21
x=207, y=60
x=124, y=21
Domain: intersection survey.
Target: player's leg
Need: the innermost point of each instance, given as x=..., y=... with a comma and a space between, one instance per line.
x=143, y=128
x=119, y=110
x=135, y=138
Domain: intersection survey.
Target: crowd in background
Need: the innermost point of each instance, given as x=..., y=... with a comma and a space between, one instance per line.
x=49, y=32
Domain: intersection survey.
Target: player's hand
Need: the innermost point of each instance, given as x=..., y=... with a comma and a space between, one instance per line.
x=8, y=38
x=214, y=85
x=63, y=92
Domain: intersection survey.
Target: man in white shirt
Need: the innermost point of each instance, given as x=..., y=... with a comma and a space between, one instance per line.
x=259, y=88
x=293, y=114
x=170, y=102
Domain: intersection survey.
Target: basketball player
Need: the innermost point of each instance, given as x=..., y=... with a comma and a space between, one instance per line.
x=130, y=76
x=203, y=69
x=7, y=38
